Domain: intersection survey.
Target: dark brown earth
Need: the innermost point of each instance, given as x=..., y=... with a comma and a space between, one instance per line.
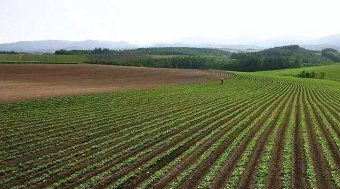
x=32, y=81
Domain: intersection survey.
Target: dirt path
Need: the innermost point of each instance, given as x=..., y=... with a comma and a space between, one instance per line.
x=20, y=57
x=32, y=81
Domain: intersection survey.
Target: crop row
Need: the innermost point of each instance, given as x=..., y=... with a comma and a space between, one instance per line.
x=250, y=132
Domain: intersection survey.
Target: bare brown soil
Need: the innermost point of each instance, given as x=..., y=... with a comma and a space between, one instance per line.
x=32, y=81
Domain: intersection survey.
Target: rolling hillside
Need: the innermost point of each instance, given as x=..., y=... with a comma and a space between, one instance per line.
x=332, y=72
x=278, y=58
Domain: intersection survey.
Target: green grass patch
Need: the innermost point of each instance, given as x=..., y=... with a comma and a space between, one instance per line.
x=42, y=58
x=332, y=71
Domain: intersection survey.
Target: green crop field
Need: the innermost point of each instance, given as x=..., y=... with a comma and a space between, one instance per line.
x=9, y=57
x=55, y=58
x=257, y=130
x=332, y=71
x=45, y=58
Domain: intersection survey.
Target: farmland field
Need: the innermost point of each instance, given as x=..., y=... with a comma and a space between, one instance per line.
x=46, y=58
x=257, y=130
x=331, y=70
x=66, y=59
x=9, y=57
x=54, y=58
x=31, y=81
x=117, y=57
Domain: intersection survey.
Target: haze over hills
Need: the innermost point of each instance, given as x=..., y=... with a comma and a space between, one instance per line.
x=241, y=44
x=53, y=45
x=332, y=41
x=244, y=43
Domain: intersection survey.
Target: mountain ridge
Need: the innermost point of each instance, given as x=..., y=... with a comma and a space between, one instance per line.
x=53, y=45
x=332, y=41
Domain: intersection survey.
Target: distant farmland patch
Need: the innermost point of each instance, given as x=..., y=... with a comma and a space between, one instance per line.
x=9, y=57
x=42, y=58
x=117, y=58
x=55, y=58
x=50, y=58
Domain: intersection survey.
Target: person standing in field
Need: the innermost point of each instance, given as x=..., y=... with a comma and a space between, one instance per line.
x=222, y=79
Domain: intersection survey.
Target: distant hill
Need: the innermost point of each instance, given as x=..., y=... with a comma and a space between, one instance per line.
x=280, y=58
x=295, y=52
x=332, y=41
x=292, y=52
x=238, y=44
x=332, y=54
x=53, y=45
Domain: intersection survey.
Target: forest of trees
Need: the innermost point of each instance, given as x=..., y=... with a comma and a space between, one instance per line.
x=96, y=51
x=277, y=58
x=184, y=62
x=205, y=58
x=283, y=57
x=149, y=51
x=332, y=54
x=9, y=52
x=270, y=59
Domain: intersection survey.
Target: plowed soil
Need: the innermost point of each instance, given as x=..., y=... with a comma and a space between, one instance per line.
x=31, y=81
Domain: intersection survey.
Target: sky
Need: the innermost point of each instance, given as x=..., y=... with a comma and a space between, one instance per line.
x=156, y=21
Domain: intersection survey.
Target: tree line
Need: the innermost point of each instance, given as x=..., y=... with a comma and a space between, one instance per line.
x=9, y=52
x=148, y=51
x=182, y=62
x=332, y=54
x=284, y=57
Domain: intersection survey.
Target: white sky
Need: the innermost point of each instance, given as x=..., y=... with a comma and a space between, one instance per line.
x=151, y=21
